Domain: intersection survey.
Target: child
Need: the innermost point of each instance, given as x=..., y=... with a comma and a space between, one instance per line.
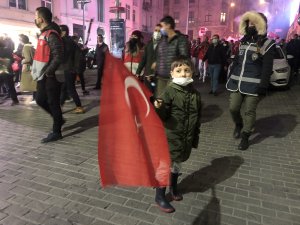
x=179, y=107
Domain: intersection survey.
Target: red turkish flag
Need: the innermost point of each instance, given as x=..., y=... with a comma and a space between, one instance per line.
x=133, y=148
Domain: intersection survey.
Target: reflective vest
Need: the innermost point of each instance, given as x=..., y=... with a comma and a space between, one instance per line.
x=246, y=76
x=42, y=55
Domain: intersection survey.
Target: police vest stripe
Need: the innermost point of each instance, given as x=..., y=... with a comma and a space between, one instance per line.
x=246, y=79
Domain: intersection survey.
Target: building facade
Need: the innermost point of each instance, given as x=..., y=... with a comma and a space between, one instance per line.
x=199, y=18
x=17, y=17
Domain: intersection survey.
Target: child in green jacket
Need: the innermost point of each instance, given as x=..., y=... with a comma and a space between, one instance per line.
x=179, y=107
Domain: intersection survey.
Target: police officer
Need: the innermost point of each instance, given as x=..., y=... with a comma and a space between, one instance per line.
x=250, y=74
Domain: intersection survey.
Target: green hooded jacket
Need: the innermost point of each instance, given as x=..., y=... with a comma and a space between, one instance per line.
x=181, y=113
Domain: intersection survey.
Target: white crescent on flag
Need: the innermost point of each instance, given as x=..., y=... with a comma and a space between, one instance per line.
x=132, y=82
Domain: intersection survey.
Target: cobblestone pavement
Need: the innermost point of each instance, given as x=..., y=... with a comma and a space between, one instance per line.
x=58, y=183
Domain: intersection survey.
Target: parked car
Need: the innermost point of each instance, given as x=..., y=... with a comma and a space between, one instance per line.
x=281, y=69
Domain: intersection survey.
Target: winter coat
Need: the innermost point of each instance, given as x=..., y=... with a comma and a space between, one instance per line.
x=215, y=55
x=180, y=113
x=253, y=66
x=71, y=56
x=27, y=54
x=100, y=54
x=56, y=49
x=167, y=51
x=149, y=57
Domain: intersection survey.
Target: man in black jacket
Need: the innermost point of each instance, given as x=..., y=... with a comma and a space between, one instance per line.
x=70, y=65
x=101, y=49
x=172, y=45
x=149, y=57
x=48, y=85
x=216, y=59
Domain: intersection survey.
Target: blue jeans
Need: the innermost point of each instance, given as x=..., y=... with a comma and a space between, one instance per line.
x=214, y=73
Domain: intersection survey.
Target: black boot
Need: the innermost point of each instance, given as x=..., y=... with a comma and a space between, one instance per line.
x=237, y=131
x=173, y=188
x=160, y=199
x=244, y=145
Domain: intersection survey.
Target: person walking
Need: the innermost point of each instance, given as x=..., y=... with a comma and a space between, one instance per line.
x=6, y=73
x=172, y=45
x=203, y=65
x=45, y=70
x=149, y=57
x=215, y=56
x=71, y=64
x=81, y=53
x=250, y=74
x=134, y=50
x=101, y=49
x=27, y=83
x=180, y=104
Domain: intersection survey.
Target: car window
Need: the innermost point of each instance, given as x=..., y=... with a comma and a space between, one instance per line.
x=278, y=54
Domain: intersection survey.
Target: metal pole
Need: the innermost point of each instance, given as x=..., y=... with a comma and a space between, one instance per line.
x=118, y=13
x=187, y=21
x=83, y=24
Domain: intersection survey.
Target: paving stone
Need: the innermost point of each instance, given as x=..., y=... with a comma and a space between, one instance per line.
x=60, y=181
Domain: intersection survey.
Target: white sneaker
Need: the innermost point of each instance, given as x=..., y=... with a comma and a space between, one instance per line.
x=32, y=102
x=18, y=85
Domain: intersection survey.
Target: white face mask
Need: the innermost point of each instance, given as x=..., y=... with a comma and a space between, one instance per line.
x=182, y=81
x=214, y=41
x=156, y=35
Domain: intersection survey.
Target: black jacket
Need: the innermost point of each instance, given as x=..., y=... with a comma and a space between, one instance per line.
x=70, y=61
x=215, y=55
x=293, y=48
x=149, y=57
x=167, y=51
x=100, y=54
x=56, y=50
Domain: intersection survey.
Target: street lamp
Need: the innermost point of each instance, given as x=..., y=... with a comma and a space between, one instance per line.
x=83, y=2
x=232, y=4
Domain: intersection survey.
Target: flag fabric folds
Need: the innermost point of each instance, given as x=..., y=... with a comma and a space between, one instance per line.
x=133, y=148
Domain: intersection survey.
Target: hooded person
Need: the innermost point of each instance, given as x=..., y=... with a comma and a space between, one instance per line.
x=250, y=74
x=134, y=51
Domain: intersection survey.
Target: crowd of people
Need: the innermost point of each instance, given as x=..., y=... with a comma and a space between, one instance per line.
x=168, y=65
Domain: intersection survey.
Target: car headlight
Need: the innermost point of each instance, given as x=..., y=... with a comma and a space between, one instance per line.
x=282, y=70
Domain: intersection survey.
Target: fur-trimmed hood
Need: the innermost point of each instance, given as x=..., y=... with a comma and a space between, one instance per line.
x=257, y=19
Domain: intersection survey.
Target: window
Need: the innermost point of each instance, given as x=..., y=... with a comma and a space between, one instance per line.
x=166, y=2
x=223, y=18
x=191, y=17
x=133, y=15
x=135, y=2
x=47, y=3
x=19, y=4
x=207, y=18
x=127, y=7
x=176, y=17
x=192, y=1
x=101, y=11
x=77, y=5
x=177, y=1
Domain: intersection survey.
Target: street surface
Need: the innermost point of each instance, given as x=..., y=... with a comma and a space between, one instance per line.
x=58, y=183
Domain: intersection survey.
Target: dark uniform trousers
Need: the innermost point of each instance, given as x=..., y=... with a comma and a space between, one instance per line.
x=250, y=104
x=48, y=98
